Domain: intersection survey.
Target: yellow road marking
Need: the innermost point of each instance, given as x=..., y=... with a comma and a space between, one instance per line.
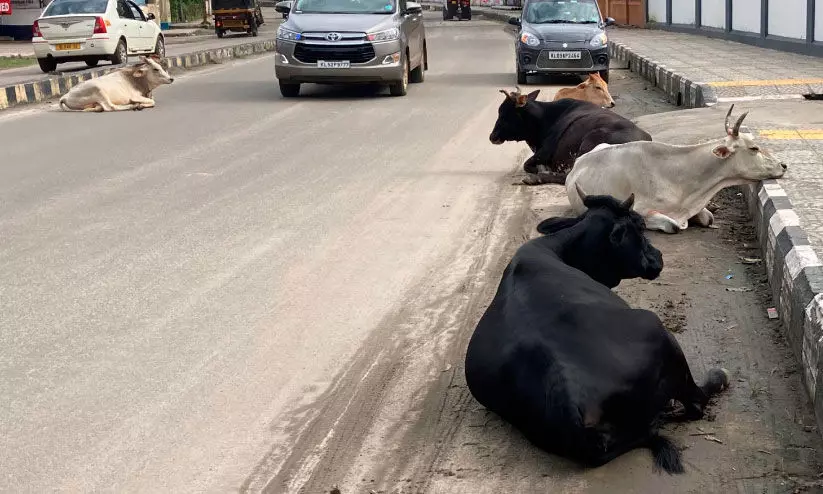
x=772, y=82
x=786, y=134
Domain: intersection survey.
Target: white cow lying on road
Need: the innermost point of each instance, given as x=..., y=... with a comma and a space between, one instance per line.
x=128, y=88
x=672, y=184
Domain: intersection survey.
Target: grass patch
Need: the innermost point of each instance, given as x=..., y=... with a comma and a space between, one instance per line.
x=14, y=62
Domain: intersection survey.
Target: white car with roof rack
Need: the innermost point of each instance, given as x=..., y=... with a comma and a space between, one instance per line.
x=93, y=30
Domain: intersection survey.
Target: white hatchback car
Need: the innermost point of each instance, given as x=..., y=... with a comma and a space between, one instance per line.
x=93, y=30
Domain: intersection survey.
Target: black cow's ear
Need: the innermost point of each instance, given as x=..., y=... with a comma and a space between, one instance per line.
x=618, y=234
x=532, y=96
x=553, y=225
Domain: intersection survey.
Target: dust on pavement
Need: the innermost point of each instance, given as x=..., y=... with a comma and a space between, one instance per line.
x=408, y=424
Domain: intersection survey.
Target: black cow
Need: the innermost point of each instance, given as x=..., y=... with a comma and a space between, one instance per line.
x=569, y=363
x=558, y=132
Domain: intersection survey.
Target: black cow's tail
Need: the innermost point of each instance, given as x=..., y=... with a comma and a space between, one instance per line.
x=665, y=453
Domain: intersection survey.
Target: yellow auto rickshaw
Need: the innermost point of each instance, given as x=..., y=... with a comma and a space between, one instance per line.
x=236, y=16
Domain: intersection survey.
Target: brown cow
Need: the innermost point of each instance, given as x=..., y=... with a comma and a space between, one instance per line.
x=594, y=90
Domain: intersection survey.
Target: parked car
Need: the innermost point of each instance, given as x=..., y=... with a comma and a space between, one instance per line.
x=561, y=37
x=94, y=30
x=350, y=42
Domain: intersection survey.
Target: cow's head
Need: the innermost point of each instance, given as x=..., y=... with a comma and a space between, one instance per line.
x=607, y=242
x=154, y=73
x=511, y=117
x=595, y=90
x=747, y=159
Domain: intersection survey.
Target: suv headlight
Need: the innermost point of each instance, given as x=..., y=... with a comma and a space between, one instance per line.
x=529, y=39
x=287, y=35
x=599, y=40
x=387, y=35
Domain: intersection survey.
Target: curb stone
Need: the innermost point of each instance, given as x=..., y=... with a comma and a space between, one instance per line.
x=796, y=278
x=795, y=271
x=680, y=90
x=43, y=90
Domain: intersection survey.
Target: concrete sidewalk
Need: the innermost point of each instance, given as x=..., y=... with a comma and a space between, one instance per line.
x=695, y=71
x=718, y=71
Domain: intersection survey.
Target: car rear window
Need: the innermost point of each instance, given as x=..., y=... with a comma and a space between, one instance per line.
x=561, y=11
x=67, y=7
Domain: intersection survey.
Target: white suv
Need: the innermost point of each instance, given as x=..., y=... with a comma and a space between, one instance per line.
x=93, y=30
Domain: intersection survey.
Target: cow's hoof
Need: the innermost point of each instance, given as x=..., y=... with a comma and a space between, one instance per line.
x=671, y=229
x=716, y=381
x=532, y=179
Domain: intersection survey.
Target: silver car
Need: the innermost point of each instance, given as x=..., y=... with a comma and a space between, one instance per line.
x=350, y=41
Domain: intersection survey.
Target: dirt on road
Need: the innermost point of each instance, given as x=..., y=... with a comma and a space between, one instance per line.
x=401, y=420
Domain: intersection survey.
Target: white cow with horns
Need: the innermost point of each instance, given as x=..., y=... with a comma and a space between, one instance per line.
x=672, y=184
x=127, y=88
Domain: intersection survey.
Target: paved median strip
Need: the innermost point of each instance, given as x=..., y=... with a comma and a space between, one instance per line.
x=43, y=90
x=789, y=134
x=765, y=82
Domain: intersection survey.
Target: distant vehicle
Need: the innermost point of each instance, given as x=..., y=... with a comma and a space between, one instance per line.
x=236, y=16
x=94, y=30
x=561, y=37
x=350, y=42
x=450, y=8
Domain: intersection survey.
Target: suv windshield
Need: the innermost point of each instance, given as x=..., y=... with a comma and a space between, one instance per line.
x=345, y=6
x=66, y=7
x=561, y=12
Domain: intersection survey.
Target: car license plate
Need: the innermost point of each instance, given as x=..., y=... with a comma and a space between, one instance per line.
x=68, y=46
x=564, y=55
x=333, y=64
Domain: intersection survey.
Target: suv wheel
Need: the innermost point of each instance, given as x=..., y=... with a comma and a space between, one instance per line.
x=418, y=75
x=289, y=90
x=400, y=88
x=121, y=54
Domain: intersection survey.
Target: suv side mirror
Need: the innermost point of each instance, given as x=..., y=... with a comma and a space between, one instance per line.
x=515, y=21
x=283, y=7
x=413, y=8
x=610, y=21
x=150, y=17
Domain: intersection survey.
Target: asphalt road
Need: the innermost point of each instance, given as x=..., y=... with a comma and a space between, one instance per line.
x=233, y=291
x=174, y=46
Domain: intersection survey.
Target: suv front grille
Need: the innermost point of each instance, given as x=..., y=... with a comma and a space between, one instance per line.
x=544, y=62
x=353, y=53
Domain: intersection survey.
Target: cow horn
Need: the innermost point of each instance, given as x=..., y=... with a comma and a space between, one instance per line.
x=628, y=203
x=728, y=116
x=580, y=192
x=736, y=130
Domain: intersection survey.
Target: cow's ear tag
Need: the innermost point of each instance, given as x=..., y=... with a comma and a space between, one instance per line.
x=722, y=151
